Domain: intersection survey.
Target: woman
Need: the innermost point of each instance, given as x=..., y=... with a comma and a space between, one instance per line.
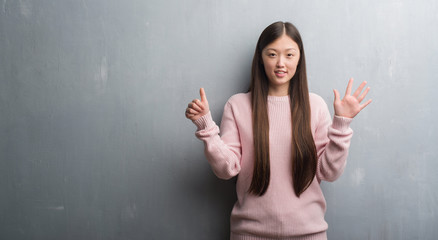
x=280, y=141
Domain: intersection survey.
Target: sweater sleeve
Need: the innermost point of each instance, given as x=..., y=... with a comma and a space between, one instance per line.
x=222, y=152
x=332, y=141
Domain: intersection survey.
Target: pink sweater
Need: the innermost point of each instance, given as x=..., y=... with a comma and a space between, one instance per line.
x=278, y=214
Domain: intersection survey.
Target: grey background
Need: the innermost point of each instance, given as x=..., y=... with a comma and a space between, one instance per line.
x=93, y=139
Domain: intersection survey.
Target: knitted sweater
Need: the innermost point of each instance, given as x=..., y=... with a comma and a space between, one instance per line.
x=279, y=213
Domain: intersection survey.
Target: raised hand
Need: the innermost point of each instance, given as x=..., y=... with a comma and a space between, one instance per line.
x=198, y=108
x=350, y=105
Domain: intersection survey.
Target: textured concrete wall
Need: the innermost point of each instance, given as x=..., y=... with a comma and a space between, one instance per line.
x=93, y=139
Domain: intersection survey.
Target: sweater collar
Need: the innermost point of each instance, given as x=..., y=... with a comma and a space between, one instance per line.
x=278, y=98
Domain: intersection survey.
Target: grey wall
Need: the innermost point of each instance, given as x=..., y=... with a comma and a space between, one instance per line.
x=93, y=139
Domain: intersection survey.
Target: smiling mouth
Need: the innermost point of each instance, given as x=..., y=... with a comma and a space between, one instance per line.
x=280, y=74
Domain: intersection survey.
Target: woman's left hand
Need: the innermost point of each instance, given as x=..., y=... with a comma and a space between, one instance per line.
x=350, y=105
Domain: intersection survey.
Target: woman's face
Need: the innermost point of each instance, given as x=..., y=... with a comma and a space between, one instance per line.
x=280, y=59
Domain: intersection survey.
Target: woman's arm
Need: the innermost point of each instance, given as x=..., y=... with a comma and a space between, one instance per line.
x=223, y=152
x=332, y=139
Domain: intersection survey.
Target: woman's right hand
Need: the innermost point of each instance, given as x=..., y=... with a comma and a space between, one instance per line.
x=198, y=108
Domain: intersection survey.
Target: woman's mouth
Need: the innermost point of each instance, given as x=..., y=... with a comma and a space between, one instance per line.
x=280, y=73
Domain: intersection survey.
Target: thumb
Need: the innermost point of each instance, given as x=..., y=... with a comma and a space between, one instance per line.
x=337, y=97
x=203, y=96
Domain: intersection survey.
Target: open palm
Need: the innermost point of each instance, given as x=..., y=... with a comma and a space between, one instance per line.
x=350, y=105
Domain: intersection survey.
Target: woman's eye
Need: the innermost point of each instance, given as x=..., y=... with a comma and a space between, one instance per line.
x=290, y=55
x=271, y=54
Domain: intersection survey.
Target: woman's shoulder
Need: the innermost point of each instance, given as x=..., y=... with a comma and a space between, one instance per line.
x=315, y=99
x=318, y=108
x=240, y=99
x=240, y=105
x=317, y=103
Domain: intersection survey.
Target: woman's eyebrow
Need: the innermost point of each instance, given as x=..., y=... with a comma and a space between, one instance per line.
x=288, y=49
x=293, y=49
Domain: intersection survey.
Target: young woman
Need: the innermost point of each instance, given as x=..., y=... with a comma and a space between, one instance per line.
x=280, y=140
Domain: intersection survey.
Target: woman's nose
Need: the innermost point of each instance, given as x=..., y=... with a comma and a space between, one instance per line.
x=280, y=62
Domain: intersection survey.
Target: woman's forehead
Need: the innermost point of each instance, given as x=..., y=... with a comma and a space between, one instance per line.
x=283, y=43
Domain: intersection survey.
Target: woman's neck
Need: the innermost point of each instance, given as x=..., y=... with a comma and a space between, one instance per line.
x=278, y=91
